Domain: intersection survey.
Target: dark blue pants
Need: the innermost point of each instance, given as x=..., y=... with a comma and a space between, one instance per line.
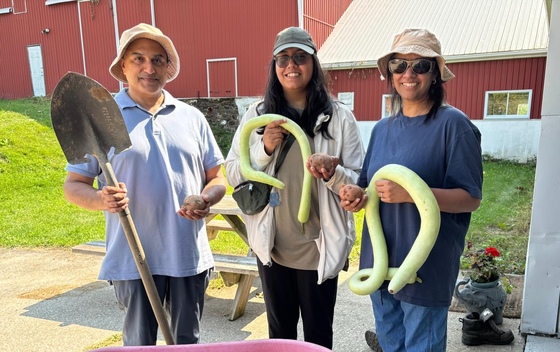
x=404, y=326
x=183, y=299
x=287, y=292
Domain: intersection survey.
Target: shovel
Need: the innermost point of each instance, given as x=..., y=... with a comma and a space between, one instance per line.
x=87, y=120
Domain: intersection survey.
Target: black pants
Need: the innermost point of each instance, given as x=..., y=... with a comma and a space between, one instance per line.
x=183, y=298
x=287, y=292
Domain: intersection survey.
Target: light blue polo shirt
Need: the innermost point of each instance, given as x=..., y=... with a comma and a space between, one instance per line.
x=171, y=150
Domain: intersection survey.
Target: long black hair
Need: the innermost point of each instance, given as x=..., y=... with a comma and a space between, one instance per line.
x=436, y=94
x=318, y=100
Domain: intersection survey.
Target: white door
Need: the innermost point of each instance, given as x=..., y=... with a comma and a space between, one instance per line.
x=36, y=67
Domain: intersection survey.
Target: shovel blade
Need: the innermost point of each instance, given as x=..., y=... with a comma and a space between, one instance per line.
x=86, y=119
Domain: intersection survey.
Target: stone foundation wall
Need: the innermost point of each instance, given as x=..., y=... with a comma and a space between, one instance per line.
x=222, y=115
x=219, y=111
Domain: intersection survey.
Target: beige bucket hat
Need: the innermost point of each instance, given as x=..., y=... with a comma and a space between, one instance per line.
x=144, y=30
x=416, y=41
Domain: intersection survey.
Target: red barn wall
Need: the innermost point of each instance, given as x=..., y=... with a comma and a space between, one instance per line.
x=320, y=17
x=217, y=29
x=83, y=38
x=22, y=29
x=466, y=92
x=98, y=35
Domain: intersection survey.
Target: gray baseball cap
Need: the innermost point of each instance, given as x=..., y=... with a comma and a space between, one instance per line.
x=294, y=37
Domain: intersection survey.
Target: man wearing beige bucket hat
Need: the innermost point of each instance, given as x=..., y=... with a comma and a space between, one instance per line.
x=173, y=155
x=441, y=145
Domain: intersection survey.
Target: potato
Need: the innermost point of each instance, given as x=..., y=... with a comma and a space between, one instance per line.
x=194, y=202
x=351, y=192
x=321, y=160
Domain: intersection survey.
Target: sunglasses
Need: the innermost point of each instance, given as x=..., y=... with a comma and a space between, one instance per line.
x=283, y=61
x=419, y=66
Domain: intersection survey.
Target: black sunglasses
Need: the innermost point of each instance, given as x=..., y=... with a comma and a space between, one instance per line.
x=283, y=61
x=419, y=66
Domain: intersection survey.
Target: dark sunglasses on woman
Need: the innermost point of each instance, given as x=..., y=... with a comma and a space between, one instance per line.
x=283, y=61
x=419, y=66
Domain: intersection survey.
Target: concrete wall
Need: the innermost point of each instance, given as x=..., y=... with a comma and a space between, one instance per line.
x=515, y=140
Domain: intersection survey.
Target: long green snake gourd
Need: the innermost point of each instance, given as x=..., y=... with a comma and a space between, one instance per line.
x=367, y=281
x=253, y=175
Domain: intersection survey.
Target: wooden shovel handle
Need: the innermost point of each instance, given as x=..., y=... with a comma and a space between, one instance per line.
x=140, y=260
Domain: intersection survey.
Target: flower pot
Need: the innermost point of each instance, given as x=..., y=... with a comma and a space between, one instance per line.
x=481, y=285
x=477, y=296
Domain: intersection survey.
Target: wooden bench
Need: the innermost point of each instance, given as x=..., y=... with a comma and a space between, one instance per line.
x=214, y=226
x=245, y=266
x=93, y=247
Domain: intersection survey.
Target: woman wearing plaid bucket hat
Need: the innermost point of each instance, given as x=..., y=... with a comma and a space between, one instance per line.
x=299, y=272
x=440, y=144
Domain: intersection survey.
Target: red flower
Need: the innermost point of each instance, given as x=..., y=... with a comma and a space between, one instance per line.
x=493, y=252
x=485, y=264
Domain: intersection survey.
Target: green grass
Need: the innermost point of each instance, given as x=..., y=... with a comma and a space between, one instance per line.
x=34, y=212
x=504, y=217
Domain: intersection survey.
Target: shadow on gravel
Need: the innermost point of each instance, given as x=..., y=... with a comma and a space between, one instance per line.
x=94, y=306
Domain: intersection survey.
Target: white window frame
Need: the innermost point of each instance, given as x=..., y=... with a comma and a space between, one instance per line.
x=347, y=98
x=506, y=116
x=384, y=107
x=54, y=2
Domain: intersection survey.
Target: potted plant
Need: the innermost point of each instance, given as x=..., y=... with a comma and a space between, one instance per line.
x=486, y=285
x=485, y=266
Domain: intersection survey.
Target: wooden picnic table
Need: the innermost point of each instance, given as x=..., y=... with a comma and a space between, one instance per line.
x=231, y=213
x=246, y=266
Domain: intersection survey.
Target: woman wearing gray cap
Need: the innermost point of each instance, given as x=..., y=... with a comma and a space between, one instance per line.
x=299, y=272
x=440, y=144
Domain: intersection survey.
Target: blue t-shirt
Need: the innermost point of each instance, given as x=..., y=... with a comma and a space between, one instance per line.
x=445, y=152
x=171, y=151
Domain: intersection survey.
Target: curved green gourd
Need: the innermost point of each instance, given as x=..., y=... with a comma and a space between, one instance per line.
x=251, y=174
x=367, y=281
